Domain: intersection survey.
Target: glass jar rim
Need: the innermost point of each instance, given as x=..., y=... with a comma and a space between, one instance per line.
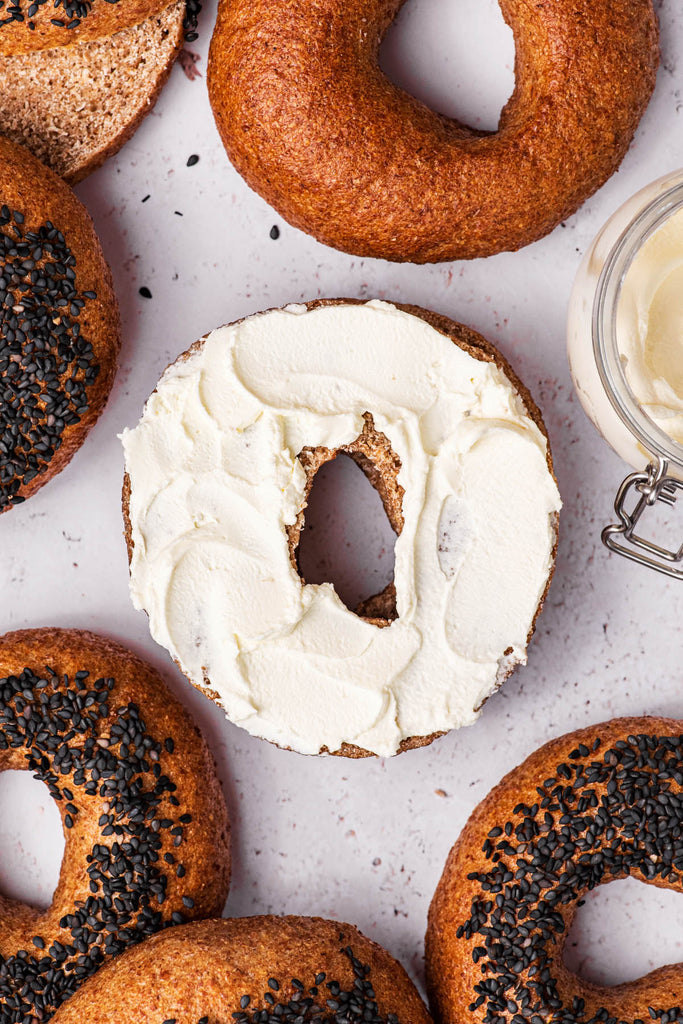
x=604, y=327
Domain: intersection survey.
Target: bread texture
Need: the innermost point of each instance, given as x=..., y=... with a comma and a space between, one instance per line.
x=589, y=807
x=32, y=197
x=313, y=125
x=372, y=452
x=205, y=971
x=145, y=823
x=75, y=106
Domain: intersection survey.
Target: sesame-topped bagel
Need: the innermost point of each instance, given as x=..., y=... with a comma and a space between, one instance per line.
x=314, y=126
x=218, y=473
x=78, y=76
x=254, y=970
x=27, y=26
x=74, y=106
x=142, y=810
x=598, y=804
x=59, y=325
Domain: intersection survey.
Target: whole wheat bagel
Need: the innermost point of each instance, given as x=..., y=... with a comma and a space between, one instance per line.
x=164, y=480
x=595, y=805
x=144, y=818
x=254, y=970
x=78, y=76
x=59, y=325
x=312, y=124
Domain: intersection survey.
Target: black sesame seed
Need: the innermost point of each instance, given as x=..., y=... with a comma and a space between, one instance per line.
x=192, y=160
x=275, y=232
x=58, y=722
x=353, y=1005
x=46, y=365
x=596, y=820
x=145, y=292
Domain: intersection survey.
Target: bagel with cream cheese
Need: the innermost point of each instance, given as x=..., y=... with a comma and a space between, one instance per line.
x=218, y=471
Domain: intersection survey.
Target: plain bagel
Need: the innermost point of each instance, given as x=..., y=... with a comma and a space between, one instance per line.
x=314, y=126
x=218, y=472
x=145, y=823
x=253, y=970
x=598, y=804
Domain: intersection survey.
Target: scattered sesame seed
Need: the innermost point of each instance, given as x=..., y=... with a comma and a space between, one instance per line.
x=192, y=160
x=275, y=232
x=145, y=292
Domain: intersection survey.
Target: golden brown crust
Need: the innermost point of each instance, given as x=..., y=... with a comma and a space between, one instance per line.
x=104, y=19
x=204, y=846
x=203, y=970
x=374, y=446
x=36, y=192
x=312, y=124
x=451, y=970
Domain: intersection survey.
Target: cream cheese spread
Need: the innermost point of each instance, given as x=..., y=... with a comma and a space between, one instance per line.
x=649, y=326
x=215, y=480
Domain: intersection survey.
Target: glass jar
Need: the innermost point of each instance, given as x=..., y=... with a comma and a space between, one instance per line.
x=600, y=380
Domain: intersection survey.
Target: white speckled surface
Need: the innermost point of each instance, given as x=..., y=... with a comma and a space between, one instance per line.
x=362, y=841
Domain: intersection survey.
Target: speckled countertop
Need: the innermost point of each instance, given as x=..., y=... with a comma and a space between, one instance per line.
x=361, y=841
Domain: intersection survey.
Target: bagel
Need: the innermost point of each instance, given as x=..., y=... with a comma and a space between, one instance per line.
x=255, y=970
x=76, y=85
x=313, y=125
x=590, y=807
x=59, y=325
x=145, y=825
x=30, y=26
x=218, y=472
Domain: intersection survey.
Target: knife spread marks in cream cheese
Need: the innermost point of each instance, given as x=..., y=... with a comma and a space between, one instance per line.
x=215, y=480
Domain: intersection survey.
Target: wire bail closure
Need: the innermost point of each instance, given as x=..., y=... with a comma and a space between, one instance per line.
x=651, y=486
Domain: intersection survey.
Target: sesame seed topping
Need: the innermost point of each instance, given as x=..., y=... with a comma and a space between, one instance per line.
x=596, y=819
x=46, y=364
x=57, y=721
x=295, y=1005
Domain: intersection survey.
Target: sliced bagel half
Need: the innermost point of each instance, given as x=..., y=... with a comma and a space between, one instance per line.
x=75, y=105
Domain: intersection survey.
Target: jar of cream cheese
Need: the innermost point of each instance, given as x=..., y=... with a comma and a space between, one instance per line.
x=625, y=346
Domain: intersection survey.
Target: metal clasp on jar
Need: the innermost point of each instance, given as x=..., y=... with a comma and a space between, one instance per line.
x=647, y=487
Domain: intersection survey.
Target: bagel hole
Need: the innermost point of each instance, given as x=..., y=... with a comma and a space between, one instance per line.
x=31, y=840
x=346, y=539
x=624, y=930
x=438, y=51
